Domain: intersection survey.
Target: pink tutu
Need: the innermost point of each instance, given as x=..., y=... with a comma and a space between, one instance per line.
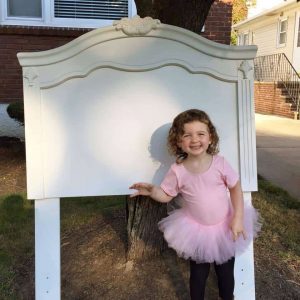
x=206, y=243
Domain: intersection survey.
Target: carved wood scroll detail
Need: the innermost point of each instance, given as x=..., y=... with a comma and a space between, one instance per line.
x=31, y=76
x=136, y=26
x=245, y=68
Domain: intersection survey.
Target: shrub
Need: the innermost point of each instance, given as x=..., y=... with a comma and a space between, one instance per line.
x=16, y=111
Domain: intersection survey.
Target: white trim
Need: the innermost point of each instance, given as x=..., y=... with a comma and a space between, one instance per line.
x=34, y=128
x=48, y=19
x=248, y=167
x=48, y=11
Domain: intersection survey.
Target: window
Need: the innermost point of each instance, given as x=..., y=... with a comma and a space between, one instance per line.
x=65, y=13
x=282, y=32
x=91, y=9
x=243, y=39
x=32, y=9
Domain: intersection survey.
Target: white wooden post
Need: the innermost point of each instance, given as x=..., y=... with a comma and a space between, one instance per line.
x=244, y=270
x=47, y=249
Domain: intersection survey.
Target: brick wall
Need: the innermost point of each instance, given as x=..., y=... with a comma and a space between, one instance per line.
x=269, y=99
x=218, y=22
x=17, y=39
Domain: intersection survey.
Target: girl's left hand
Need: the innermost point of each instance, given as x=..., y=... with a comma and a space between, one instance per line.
x=237, y=228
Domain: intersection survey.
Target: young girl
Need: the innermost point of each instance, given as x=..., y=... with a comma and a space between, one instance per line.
x=208, y=228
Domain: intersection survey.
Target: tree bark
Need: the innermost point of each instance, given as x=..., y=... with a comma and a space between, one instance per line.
x=144, y=237
x=143, y=214
x=188, y=14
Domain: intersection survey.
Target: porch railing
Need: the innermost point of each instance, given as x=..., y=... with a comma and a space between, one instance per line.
x=278, y=68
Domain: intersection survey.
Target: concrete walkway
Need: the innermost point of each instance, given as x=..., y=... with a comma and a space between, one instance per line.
x=278, y=151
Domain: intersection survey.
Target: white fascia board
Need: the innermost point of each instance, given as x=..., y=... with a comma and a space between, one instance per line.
x=269, y=12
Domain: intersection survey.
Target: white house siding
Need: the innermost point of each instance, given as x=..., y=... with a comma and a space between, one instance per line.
x=263, y=32
x=264, y=39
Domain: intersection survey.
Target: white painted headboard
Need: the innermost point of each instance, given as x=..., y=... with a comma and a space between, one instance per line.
x=94, y=106
x=98, y=109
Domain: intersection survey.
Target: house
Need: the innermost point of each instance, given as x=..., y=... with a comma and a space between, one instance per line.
x=45, y=24
x=276, y=32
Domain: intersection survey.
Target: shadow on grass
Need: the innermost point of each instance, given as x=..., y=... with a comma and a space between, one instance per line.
x=77, y=211
x=277, y=195
x=280, y=213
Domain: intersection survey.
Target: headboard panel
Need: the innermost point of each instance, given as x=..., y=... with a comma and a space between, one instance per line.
x=98, y=109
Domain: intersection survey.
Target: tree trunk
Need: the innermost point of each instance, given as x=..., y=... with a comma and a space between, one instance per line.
x=188, y=14
x=144, y=237
x=143, y=214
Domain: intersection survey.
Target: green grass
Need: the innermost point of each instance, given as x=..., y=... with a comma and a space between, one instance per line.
x=16, y=236
x=78, y=211
x=17, y=230
x=280, y=234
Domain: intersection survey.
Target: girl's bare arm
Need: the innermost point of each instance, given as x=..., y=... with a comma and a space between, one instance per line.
x=237, y=224
x=153, y=191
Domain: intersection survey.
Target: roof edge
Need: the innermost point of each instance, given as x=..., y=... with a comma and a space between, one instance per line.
x=265, y=13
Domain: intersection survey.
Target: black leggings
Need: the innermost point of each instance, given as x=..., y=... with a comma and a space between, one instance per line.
x=199, y=274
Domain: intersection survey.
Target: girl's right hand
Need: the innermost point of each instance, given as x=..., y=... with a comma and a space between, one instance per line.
x=143, y=189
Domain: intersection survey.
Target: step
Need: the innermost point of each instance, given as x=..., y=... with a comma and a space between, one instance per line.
x=295, y=85
x=285, y=92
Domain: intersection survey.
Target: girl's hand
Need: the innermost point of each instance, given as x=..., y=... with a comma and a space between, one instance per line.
x=237, y=228
x=143, y=189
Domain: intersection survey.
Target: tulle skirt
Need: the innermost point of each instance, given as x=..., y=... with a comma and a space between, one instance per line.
x=207, y=243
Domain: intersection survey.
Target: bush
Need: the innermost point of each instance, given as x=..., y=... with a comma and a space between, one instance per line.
x=16, y=111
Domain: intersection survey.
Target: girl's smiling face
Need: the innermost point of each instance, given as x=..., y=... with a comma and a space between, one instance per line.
x=195, y=139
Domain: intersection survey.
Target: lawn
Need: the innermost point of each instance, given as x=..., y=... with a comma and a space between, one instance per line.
x=277, y=250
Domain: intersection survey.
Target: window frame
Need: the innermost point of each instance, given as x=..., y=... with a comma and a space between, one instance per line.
x=48, y=18
x=297, y=31
x=246, y=34
x=279, y=32
x=241, y=38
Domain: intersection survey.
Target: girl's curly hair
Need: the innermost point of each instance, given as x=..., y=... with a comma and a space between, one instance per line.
x=176, y=131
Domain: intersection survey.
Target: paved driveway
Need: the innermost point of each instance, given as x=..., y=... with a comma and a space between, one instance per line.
x=278, y=151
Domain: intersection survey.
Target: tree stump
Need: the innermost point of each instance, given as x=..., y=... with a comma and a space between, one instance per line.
x=144, y=237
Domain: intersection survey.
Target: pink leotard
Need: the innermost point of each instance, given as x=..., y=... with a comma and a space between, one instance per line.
x=200, y=229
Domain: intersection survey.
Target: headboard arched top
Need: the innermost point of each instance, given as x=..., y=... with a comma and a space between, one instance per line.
x=111, y=47
x=163, y=31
